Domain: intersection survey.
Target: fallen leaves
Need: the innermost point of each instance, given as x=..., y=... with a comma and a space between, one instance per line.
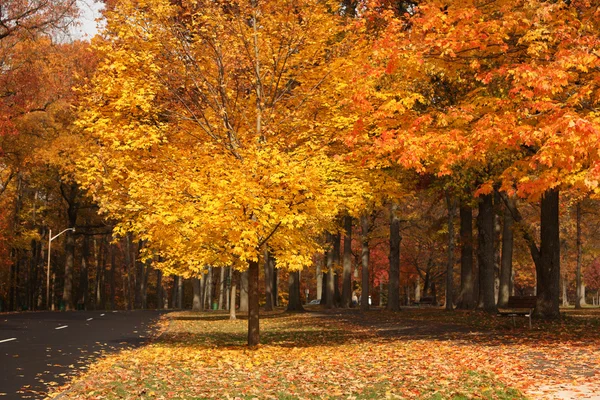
x=413, y=354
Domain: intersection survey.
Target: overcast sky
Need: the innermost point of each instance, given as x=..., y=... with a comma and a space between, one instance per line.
x=90, y=11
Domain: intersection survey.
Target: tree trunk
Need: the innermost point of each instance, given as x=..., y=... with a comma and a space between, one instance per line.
x=337, y=244
x=139, y=276
x=507, y=254
x=180, y=293
x=244, y=291
x=364, y=296
x=466, y=296
x=128, y=253
x=113, y=265
x=579, y=292
x=451, y=204
x=393, y=301
x=329, y=284
x=209, y=286
x=228, y=287
x=275, y=286
x=98, y=292
x=485, y=223
x=347, y=264
x=84, y=273
x=548, y=268
x=319, y=274
x=268, y=281
x=222, y=288
x=67, y=296
x=232, y=295
x=197, y=301
x=295, y=297
x=160, y=300
x=253, y=304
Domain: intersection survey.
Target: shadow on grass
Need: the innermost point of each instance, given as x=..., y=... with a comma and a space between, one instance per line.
x=321, y=328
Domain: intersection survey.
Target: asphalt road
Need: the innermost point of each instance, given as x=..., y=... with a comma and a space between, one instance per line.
x=42, y=349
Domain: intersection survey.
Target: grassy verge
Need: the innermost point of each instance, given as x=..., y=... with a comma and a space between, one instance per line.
x=303, y=356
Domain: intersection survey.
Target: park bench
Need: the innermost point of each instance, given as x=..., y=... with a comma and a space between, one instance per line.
x=425, y=301
x=519, y=306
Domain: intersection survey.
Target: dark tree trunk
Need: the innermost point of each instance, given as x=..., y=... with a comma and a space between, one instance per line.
x=295, y=299
x=337, y=244
x=174, y=292
x=83, y=273
x=268, y=281
x=466, y=297
x=451, y=204
x=393, y=301
x=275, y=285
x=180, y=292
x=253, y=305
x=128, y=258
x=485, y=253
x=160, y=297
x=113, y=265
x=548, y=267
x=579, y=292
x=364, y=296
x=347, y=263
x=70, y=196
x=506, y=262
x=139, y=277
x=330, y=285
x=197, y=301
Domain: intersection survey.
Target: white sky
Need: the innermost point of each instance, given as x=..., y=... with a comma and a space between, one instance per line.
x=90, y=11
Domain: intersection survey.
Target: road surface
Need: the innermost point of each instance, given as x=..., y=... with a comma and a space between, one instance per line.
x=42, y=349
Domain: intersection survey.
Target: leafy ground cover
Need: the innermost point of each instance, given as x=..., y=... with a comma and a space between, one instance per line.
x=417, y=353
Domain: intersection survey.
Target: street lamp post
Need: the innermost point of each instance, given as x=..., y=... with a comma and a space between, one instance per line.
x=50, y=239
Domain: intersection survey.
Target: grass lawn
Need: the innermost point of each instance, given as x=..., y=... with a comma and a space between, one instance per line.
x=416, y=353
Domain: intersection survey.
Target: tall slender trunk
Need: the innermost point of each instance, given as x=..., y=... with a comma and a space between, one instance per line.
x=485, y=223
x=319, y=274
x=70, y=196
x=222, y=287
x=275, y=286
x=113, y=265
x=364, y=296
x=180, y=293
x=197, y=301
x=244, y=291
x=84, y=273
x=268, y=281
x=507, y=253
x=393, y=301
x=347, y=263
x=67, y=295
x=98, y=292
x=232, y=296
x=466, y=297
x=337, y=244
x=128, y=250
x=253, y=304
x=548, y=268
x=160, y=296
x=451, y=204
x=209, y=285
x=329, y=285
x=228, y=287
x=579, y=292
x=295, y=299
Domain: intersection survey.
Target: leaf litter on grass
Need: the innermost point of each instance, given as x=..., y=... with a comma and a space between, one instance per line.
x=347, y=355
